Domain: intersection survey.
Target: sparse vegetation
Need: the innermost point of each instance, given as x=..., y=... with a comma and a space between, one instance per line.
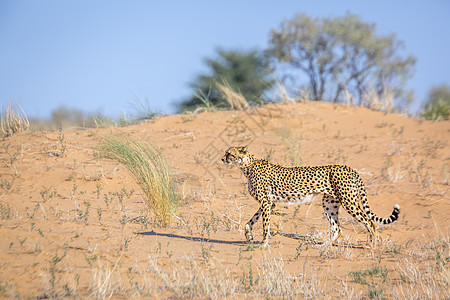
x=13, y=157
x=120, y=195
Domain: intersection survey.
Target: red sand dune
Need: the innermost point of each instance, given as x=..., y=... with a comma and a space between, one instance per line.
x=67, y=227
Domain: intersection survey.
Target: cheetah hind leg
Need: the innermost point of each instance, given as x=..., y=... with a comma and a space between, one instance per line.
x=361, y=217
x=374, y=236
x=331, y=208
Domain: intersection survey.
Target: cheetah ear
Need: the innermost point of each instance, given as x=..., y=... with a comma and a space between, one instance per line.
x=244, y=149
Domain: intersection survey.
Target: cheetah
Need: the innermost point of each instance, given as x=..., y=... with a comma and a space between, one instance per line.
x=340, y=185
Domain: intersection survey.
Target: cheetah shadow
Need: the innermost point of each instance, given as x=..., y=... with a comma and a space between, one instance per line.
x=192, y=238
x=303, y=238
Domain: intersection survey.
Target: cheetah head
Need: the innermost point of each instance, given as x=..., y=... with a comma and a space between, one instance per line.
x=237, y=155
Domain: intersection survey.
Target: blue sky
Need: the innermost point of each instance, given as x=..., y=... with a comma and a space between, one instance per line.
x=101, y=55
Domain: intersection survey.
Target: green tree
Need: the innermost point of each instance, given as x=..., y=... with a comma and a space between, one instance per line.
x=246, y=72
x=437, y=107
x=342, y=55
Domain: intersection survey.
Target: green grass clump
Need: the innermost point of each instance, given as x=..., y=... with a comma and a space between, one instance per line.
x=150, y=169
x=437, y=111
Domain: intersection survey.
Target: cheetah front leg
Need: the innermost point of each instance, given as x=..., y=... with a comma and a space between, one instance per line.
x=249, y=226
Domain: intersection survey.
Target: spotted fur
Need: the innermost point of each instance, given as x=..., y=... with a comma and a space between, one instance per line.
x=340, y=185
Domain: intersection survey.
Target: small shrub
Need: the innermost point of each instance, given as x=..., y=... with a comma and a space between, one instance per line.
x=249, y=283
x=6, y=184
x=62, y=141
x=437, y=107
x=361, y=277
x=437, y=111
x=99, y=213
x=5, y=211
x=299, y=250
x=47, y=193
x=368, y=277
x=150, y=169
x=4, y=287
x=52, y=269
x=83, y=214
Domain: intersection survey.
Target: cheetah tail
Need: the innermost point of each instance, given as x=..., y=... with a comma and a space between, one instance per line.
x=393, y=217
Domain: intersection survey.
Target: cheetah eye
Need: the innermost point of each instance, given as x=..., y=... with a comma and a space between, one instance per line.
x=229, y=156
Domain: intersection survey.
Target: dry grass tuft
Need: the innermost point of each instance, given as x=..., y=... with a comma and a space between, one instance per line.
x=13, y=120
x=276, y=281
x=193, y=282
x=372, y=100
x=426, y=273
x=282, y=94
x=150, y=169
x=235, y=99
x=105, y=282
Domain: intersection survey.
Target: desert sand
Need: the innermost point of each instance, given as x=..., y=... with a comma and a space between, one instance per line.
x=74, y=224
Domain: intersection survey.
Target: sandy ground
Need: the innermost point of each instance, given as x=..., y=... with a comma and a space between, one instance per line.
x=77, y=225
